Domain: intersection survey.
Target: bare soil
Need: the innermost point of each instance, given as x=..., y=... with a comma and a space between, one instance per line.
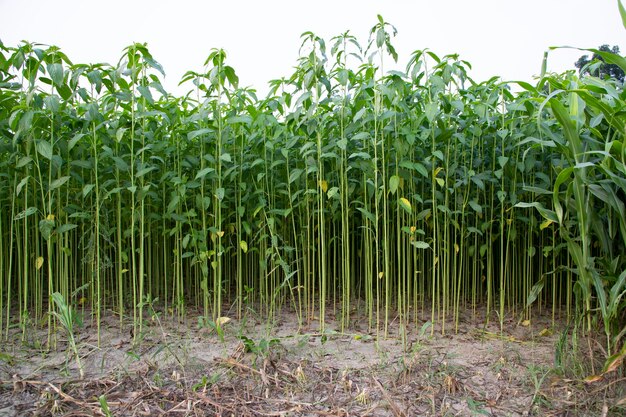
x=256, y=368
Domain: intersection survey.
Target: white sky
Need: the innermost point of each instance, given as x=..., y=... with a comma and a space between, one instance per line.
x=262, y=38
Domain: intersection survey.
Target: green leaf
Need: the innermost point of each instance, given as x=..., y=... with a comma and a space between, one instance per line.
x=58, y=182
x=245, y=119
x=419, y=244
x=46, y=227
x=622, y=12
x=144, y=171
x=21, y=185
x=534, y=292
x=44, y=149
x=65, y=228
x=25, y=160
x=421, y=169
x=294, y=175
x=380, y=37
x=87, y=189
x=74, y=141
x=617, y=291
x=193, y=134
x=368, y=215
x=64, y=91
x=394, y=182
x=546, y=213
x=120, y=164
x=479, y=182
x=477, y=207
x=52, y=103
x=23, y=214
x=232, y=78
x=56, y=74
x=146, y=93
x=173, y=204
x=92, y=112
x=556, y=200
x=119, y=135
x=203, y=172
x=431, y=111
x=219, y=193
x=104, y=406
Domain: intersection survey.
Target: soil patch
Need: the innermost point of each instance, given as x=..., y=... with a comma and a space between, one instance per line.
x=287, y=369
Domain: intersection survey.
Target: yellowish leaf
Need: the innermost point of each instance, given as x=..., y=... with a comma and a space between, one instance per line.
x=381, y=274
x=456, y=248
x=545, y=332
x=592, y=378
x=244, y=246
x=526, y=323
x=50, y=217
x=222, y=321
x=405, y=204
x=220, y=233
x=323, y=185
x=39, y=262
x=614, y=361
x=545, y=224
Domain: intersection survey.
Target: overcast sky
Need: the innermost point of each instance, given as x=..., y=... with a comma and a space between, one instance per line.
x=262, y=38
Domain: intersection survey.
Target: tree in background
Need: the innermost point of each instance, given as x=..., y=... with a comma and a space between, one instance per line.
x=598, y=67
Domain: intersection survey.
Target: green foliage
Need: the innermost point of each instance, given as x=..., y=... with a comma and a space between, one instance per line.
x=104, y=406
x=348, y=181
x=261, y=349
x=67, y=317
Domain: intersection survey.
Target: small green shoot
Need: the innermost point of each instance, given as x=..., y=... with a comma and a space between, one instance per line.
x=66, y=316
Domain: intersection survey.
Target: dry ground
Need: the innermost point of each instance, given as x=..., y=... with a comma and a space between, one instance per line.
x=257, y=369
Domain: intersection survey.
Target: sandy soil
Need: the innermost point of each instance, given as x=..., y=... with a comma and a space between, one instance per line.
x=284, y=369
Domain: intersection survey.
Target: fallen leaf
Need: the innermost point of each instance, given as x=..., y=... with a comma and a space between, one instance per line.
x=222, y=321
x=545, y=332
x=592, y=378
